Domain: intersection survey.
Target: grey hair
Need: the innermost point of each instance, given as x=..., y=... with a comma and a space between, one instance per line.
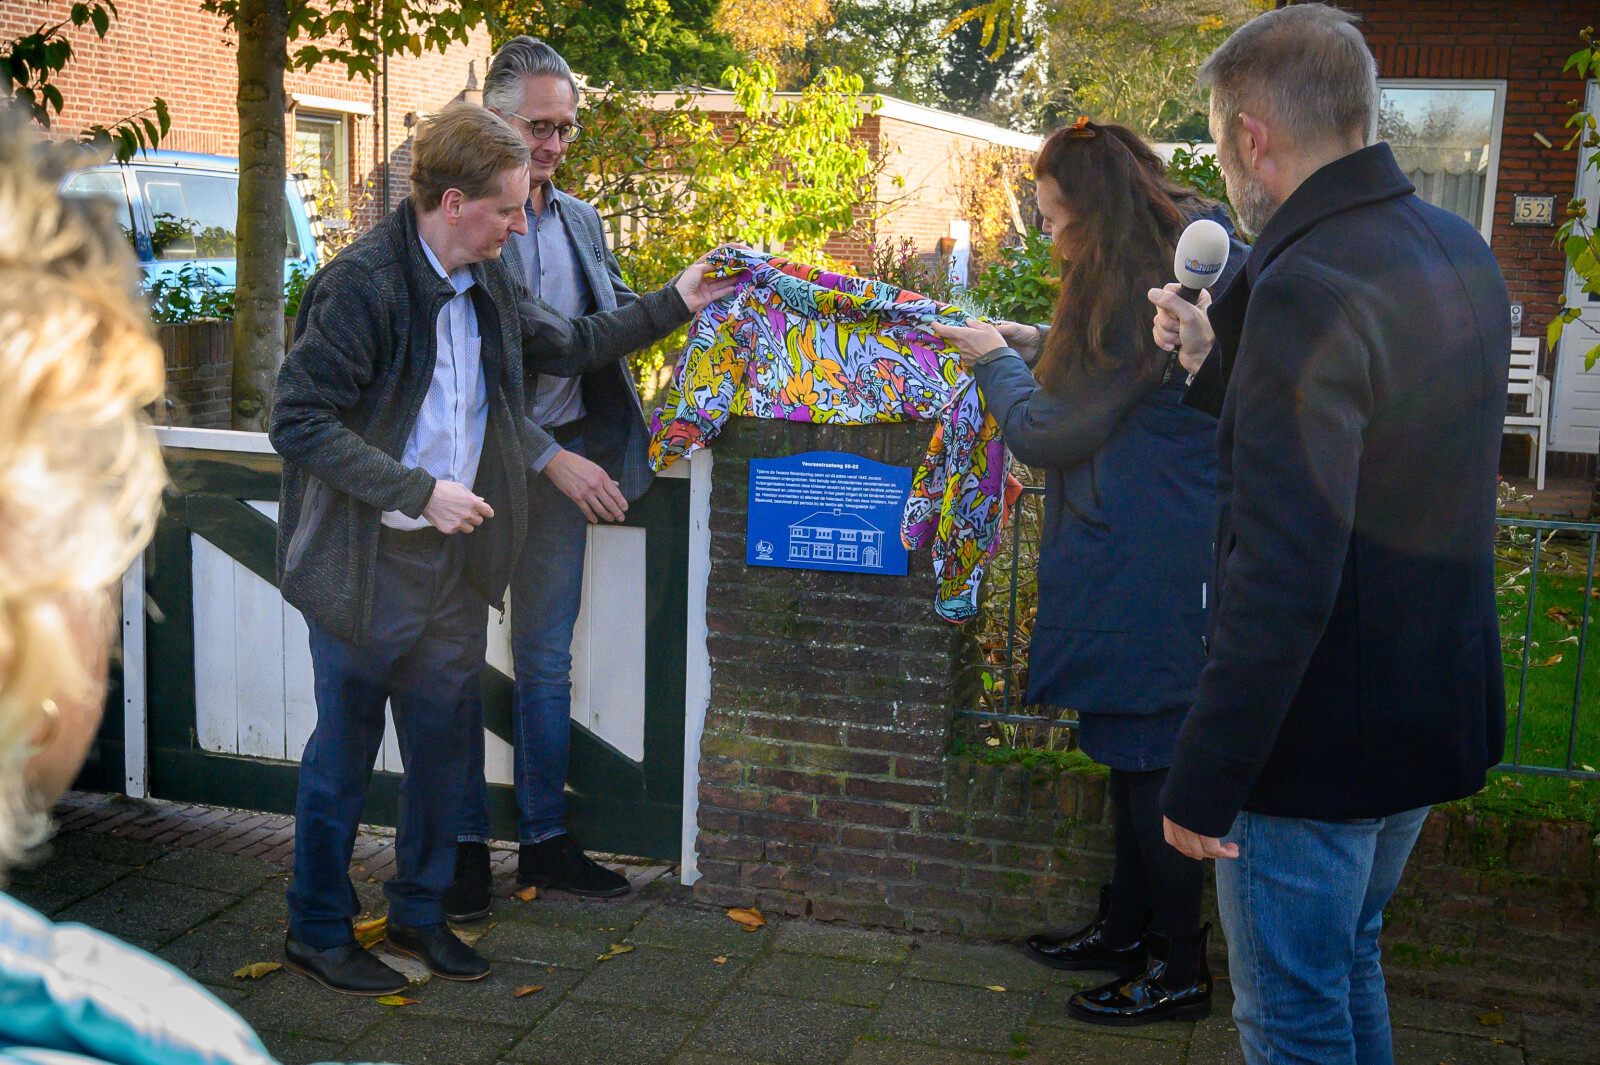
x=521, y=57
x=1306, y=65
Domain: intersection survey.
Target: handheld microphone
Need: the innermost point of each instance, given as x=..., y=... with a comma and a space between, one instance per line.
x=1202, y=253
x=1198, y=262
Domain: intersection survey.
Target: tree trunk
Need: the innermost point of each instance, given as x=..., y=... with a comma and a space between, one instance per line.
x=258, y=301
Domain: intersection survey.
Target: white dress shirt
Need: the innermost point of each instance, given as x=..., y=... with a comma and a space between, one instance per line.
x=447, y=440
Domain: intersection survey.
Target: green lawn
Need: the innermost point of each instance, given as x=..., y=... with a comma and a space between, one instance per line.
x=1547, y=703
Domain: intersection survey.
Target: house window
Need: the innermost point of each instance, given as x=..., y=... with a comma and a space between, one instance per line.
x=847, y=552
x=847, y=536
x=1446, y=138
x=799, y=550
x=824, y=534
x=798, y=533
x=320, y=152
x=822, y=551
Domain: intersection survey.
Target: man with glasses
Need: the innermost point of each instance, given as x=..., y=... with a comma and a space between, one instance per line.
x=588, y=461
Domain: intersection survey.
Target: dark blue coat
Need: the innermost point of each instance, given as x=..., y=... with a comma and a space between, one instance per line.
x=1125, y=552
x=1355, y=654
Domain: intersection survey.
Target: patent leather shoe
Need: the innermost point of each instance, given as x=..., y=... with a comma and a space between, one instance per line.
x=1087, y=948
x=1175, y=985
x=438, y=948
x=347, y=968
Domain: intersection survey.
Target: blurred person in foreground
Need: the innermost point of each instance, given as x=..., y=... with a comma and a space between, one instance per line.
x=1359, y=368
x=80, y=483
x=1130, y=497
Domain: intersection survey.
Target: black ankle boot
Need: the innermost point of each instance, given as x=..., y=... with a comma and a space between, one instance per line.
x=1087, y=948
x=1175, y=985
x=559, y=862
x=468, y=897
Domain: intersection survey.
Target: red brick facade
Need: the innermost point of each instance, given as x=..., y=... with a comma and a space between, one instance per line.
x=1525, y=44
x=188, y=58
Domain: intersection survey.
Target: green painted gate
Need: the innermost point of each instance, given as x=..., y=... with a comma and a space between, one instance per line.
x=617, y=804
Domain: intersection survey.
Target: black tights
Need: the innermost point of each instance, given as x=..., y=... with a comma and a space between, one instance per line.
x=1150, y=873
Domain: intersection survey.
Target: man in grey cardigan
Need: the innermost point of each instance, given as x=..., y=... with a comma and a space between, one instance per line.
x=588, y=463
x=399, y=413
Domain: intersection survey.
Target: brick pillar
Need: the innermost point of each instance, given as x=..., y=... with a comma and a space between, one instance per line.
x=825, y=786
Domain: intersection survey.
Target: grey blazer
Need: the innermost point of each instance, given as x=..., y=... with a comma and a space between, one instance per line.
x=614, y=431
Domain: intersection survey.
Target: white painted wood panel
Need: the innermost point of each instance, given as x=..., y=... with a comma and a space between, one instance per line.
x=299, y=685
x=216, y=692
x=609, y=640
x=1575, y=395
x=258, y=664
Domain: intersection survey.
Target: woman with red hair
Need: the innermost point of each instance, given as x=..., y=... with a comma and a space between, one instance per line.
x=1125, y=552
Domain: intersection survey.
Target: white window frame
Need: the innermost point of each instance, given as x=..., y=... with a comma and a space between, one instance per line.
x=1496, y=130
x=342, y=120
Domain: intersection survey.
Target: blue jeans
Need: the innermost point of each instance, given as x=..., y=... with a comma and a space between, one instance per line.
x=546, y=595
x=424, y=656
x=1302, y=906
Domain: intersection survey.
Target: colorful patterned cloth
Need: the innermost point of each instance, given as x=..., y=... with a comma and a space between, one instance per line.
x=804, y=344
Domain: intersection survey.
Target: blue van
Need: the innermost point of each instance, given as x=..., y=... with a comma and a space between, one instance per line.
x=180, y=209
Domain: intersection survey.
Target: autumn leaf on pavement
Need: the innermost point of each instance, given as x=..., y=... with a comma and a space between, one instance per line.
x=524, y=992
x=1492, y=1019
x=994, y=987
x=720, y=961
x=370, y=933
x=396, y=1000
x=616, y=948
x=529, y=893
x=749, y=917
x=258, y=970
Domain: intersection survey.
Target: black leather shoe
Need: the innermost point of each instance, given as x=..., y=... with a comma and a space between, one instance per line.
x=347, y=969
x=468, y=897
x=1164, y=991
x=1087, y=948
x=559, y=862
x=438, y=948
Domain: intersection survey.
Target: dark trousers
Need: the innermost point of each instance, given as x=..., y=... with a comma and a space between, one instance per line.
x=1150, y=875
x=424, y=657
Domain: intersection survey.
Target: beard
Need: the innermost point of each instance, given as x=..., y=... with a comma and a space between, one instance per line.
x=1253, y=205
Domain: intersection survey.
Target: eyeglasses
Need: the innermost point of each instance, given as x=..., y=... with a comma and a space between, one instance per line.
x=541, y=130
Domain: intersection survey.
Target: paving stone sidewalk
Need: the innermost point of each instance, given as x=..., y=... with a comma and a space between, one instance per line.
x=204, y=889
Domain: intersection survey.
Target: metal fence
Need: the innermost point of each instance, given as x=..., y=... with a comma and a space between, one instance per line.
x=1524, y=548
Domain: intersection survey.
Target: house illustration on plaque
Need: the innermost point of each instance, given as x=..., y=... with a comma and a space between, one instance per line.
x=837, y=537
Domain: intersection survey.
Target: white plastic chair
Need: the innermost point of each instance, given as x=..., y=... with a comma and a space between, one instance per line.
x=1534, y=419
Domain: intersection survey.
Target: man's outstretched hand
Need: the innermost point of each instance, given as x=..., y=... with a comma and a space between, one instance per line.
x=699, y=291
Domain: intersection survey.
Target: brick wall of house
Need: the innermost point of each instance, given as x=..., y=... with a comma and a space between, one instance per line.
x=1525, y=44
x=189, y=58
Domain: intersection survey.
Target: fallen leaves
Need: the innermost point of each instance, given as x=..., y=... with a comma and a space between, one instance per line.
x=524, y=992
x=470, y=936
x=1562, y=616
x=396, y=1000
x=1552, y=660
x=528, y=894
x=1492, y=1019
x=993, y=987
x=721, y=961
x=257, y=970
x=616, y=948
x=748, y=917
x=370, y=933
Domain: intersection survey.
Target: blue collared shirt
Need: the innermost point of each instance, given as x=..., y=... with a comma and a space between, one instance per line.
x=554, y=275
x=447, y=440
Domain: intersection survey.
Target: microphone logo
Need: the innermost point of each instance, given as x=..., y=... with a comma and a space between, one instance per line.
x=1194, y=265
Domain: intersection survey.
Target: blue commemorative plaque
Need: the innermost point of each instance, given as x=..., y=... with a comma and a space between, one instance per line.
x=827, y=510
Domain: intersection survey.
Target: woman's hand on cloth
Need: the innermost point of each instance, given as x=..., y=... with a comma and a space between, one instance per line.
x=1182, y=326
x=1023, y=339
x=1195, y=845
x=974, y=340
